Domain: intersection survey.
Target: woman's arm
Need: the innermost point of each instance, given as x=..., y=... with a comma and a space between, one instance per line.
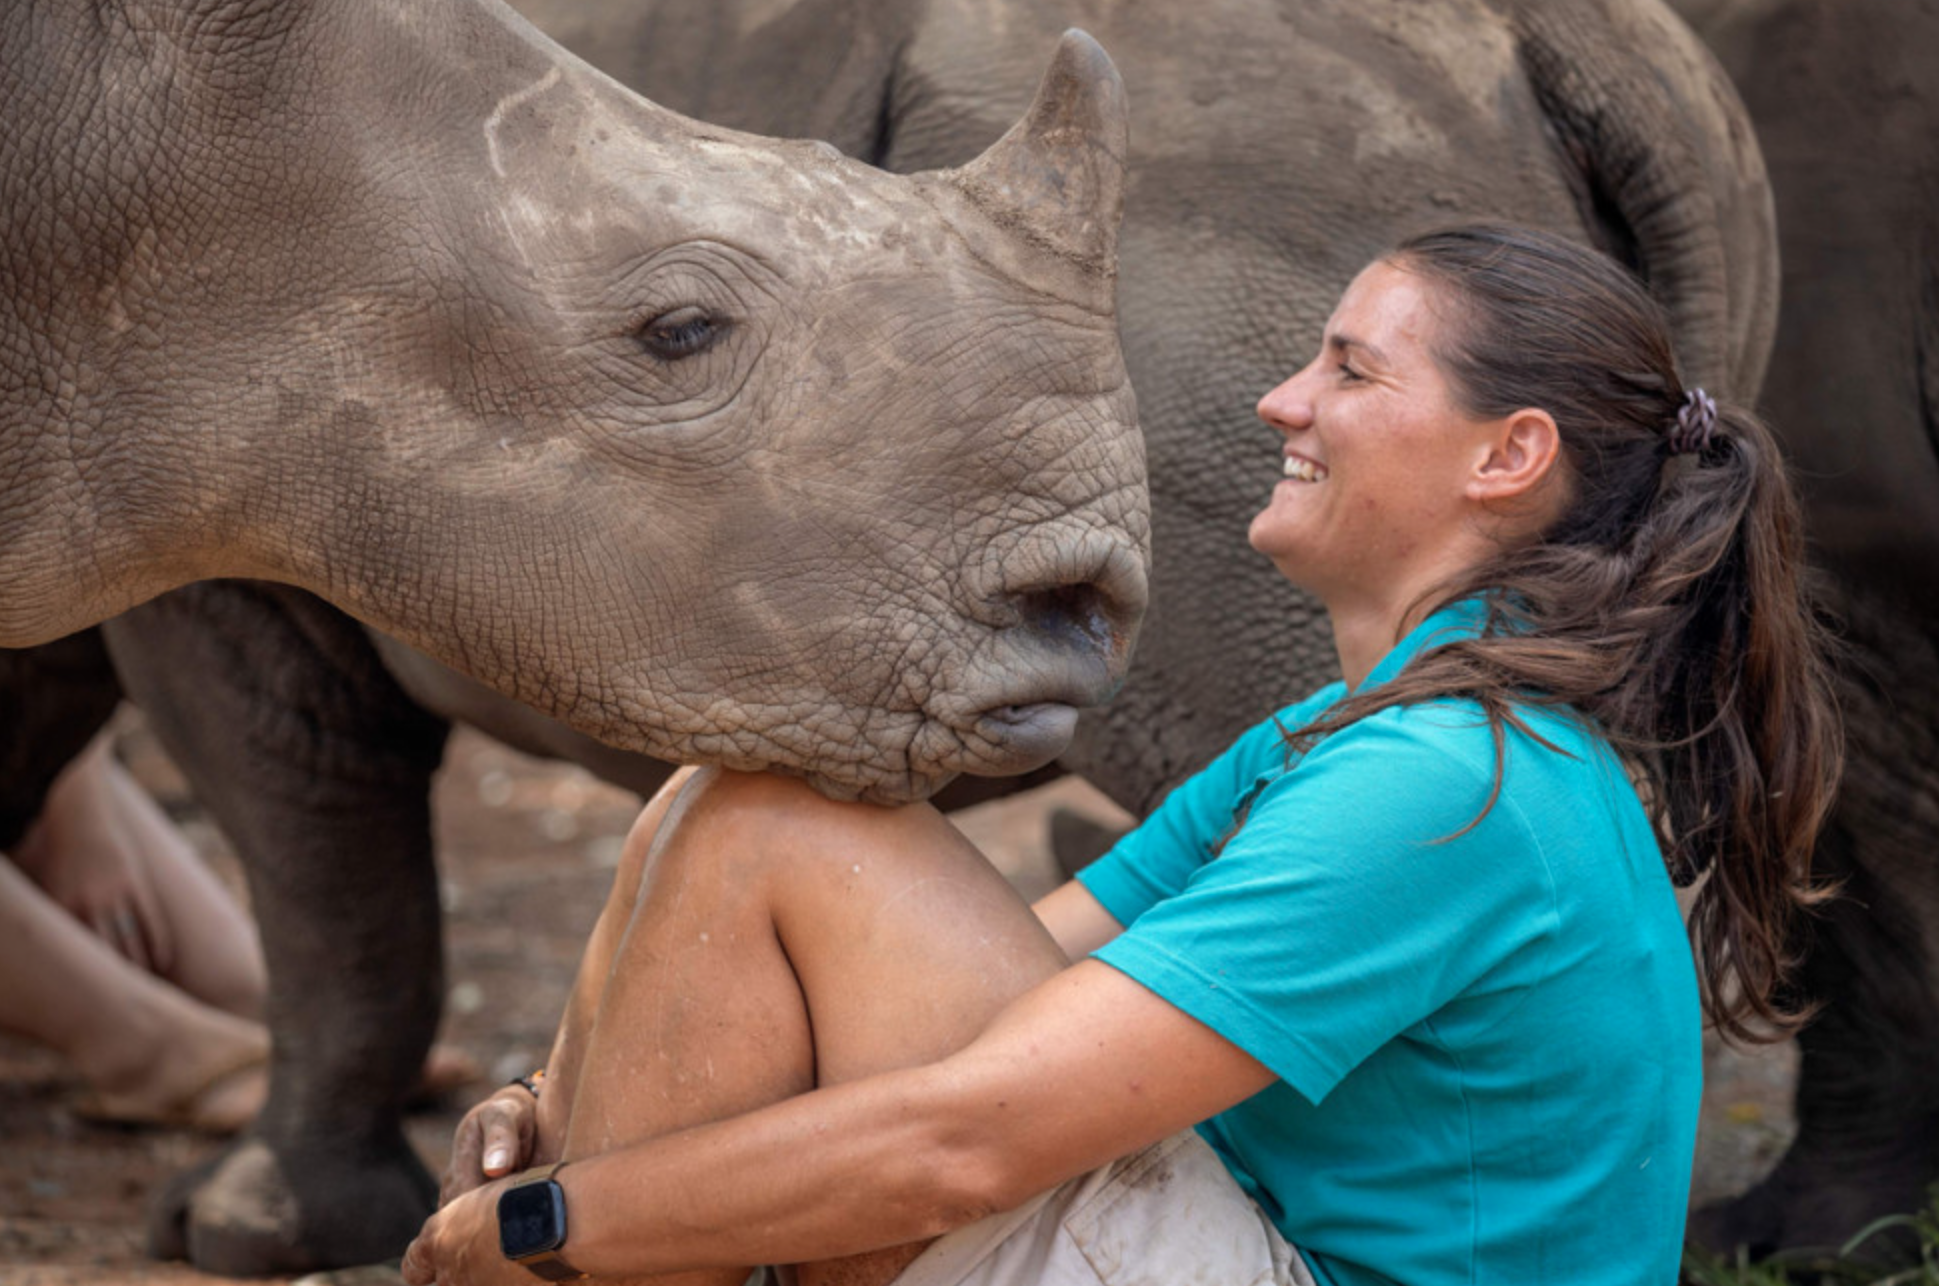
x=1085, y=1068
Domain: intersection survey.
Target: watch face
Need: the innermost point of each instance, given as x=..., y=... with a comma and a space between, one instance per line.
x=531, y=1219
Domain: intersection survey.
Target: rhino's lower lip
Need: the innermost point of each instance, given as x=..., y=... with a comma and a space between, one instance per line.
x=1026, y=736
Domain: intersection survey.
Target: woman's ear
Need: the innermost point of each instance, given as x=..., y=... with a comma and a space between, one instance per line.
x=1520, y=455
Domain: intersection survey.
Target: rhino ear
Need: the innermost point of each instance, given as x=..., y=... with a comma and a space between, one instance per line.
x=1057, y=178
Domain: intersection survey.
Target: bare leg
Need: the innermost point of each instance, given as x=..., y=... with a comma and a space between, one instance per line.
x=107, y=853
x=146, y=1048
x=775, y=942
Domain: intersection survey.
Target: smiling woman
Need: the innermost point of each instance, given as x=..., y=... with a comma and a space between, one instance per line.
x=1383, y=953
x=1390, y=487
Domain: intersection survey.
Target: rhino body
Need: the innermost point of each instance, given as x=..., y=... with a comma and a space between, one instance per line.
x=1845, y=98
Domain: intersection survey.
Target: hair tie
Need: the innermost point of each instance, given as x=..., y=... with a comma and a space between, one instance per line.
x=1695, y=423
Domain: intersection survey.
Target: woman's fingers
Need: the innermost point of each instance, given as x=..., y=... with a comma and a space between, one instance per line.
x=117, y=923
x=495, y=1139
x=136, y=944
x=507, y=1143
x=465, y=1170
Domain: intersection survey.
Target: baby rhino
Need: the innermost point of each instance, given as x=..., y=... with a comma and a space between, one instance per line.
x=717, y=448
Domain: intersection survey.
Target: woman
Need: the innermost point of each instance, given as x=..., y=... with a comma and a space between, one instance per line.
x=1409, y=951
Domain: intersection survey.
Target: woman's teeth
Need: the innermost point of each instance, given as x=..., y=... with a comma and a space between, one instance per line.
x=1305, y=470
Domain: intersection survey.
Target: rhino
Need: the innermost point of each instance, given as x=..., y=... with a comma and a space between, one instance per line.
x=712, y=447
x=1845, y=98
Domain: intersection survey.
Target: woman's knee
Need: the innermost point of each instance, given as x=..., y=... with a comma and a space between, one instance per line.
x=751, y=825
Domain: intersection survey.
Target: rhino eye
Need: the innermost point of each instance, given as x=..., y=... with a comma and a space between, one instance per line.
x=683, y=332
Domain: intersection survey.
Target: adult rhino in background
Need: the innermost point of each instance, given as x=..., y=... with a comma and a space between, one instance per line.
x=404, y=307
x=1845, y=98
x=1280, y=145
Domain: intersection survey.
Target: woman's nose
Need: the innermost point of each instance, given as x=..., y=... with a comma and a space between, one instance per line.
x=1286, y=407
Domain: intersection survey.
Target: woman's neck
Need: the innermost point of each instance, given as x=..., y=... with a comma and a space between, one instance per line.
x=1364, y=632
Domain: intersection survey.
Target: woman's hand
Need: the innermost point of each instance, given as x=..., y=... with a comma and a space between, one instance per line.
x=458, y=1246
x=498, y=1137
x=85, y=851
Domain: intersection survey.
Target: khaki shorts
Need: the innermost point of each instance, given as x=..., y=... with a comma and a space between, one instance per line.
x=1164, y=1216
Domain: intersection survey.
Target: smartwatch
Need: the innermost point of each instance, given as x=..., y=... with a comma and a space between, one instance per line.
x=532, y=1224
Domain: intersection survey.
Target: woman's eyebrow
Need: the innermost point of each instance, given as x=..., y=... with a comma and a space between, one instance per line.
x=1340, y=343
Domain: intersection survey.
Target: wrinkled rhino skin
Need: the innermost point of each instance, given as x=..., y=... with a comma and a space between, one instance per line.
x=400, y=310
x=1845, y=97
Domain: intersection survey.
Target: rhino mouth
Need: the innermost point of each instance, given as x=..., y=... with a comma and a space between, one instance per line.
x=1023, y=737
x=1027, y=718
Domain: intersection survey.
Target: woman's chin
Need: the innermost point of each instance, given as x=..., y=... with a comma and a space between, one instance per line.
x=1269, y=536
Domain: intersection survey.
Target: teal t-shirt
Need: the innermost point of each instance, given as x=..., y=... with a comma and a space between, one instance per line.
x=1487, y=1034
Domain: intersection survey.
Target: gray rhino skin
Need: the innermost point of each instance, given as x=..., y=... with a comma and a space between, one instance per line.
x=717, y=447
x=1845, y=97
x=1285, y=145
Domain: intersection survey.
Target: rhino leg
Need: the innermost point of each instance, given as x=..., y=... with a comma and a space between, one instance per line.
x=1868, y=1122
x=53, y=699
x=1868, y=1130
x=318, y=769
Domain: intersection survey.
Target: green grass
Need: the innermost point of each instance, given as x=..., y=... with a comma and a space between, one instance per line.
x=1855, y=1263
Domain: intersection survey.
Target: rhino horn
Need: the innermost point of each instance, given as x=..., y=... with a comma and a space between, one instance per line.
x=1057, y=178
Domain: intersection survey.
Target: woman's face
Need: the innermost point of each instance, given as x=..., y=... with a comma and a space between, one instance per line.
x=1374, y=504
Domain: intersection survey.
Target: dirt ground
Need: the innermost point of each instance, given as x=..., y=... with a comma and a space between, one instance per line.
x=527, y=850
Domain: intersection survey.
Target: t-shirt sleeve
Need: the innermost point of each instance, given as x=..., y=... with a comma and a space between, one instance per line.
x=1154, y=861
x=1359, y=898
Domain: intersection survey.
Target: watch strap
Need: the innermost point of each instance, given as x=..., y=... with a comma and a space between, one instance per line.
x=552, y=1268
x=537, y=1174
x=549, y=1265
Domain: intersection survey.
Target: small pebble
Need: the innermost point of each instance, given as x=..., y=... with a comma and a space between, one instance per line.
x=603, y=853
x=557, y=825
x=495, y=789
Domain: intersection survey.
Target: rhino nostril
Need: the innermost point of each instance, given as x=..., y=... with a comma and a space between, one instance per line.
x=1078, y=614
x=1085, y=599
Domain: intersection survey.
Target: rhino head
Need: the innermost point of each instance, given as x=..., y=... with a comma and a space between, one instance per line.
x=719, y=448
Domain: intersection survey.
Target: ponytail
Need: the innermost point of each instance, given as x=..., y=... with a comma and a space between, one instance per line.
x=1732, y=707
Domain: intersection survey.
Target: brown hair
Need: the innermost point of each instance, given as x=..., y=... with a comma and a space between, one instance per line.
x=1666, y=603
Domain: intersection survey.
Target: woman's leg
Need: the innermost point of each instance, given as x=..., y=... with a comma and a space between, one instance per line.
x=149, y=1051
x=779, y=941
x=104, y=850
x=595, y=967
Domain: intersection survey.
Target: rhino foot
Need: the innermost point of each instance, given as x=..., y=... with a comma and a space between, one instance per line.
x=1810, y=1216
x=255, y=1211
x=1753, y=1221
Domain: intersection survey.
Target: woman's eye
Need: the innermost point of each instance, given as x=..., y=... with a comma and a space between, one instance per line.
x=1347, y=374
x=682, y=332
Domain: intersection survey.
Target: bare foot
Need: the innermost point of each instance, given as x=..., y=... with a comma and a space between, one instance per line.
x=206, y=1071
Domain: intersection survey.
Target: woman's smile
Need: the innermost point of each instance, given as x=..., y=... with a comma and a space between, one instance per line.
x=1301, y=469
